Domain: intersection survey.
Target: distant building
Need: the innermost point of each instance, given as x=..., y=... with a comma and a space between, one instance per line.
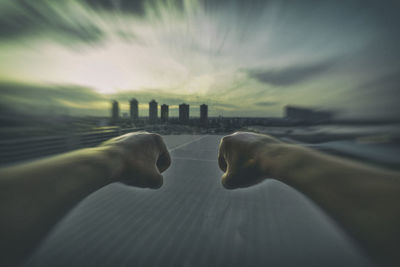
x=203, y=114
x=114, y=111
x=134, y=109
x=153, y=111
x=308, y=115
x=183, y=113
x=164, y=112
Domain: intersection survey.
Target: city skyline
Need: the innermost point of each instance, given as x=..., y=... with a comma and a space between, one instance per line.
x=153, y=109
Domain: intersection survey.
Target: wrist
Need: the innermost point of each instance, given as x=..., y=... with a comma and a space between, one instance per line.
x=112, y=158
x=280, y=160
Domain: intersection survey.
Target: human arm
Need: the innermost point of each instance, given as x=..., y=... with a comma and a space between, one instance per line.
x=362, y=199
x=34, y=196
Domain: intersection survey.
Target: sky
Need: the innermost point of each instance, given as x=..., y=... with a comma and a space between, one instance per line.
x=242, y=58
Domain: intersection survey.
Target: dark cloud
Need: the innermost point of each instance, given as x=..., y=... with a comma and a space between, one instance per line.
x=136, y=7
x=42, y=99
x=14, y=24
x=132, y=6
x=266, y=103
x=291, y=75
x=48, y=93
x=382, y=93
x=28, y=18
x=388, y=83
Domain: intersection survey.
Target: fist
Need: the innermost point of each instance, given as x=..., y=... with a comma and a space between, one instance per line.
x=245, y=158
x=144, y=155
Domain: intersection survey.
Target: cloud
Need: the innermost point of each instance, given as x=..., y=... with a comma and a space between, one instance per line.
x=48, y=92
x=266, y=103
x=41, y=99
x=231, y=54
x=65, y=21
x=290, y=75
x=390, y=83
x=131, y=6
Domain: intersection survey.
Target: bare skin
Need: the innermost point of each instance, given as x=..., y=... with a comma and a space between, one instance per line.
x=34, y=196
x=363, y=199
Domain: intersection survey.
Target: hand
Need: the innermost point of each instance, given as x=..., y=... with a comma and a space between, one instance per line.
x=246, y=158
x=144, y=155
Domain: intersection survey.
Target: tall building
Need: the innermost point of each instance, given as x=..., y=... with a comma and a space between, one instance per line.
x=164, y=112
x=114, y=112
x=203, y=114
x=184, y=113
x=153, y=111
x=134, y=108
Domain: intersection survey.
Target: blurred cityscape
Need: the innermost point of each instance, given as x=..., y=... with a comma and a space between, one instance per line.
x=26, y=136
x=156, y=119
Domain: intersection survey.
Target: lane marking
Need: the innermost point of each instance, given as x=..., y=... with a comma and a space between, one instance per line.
x=187, y=143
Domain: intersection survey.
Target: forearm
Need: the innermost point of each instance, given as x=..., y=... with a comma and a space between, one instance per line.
x=34, y=196
x=361, y=198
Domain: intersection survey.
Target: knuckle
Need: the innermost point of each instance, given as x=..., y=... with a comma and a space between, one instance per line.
x=226, y=139
x=156, y=136
x=159, y=141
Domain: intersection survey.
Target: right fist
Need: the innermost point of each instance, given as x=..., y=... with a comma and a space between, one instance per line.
x=246, y=158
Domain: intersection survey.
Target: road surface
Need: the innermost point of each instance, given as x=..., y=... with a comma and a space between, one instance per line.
x=193, y=221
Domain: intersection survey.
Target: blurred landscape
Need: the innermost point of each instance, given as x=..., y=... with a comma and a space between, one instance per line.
x=322, y=74
x=25, y=137
x=311, y=72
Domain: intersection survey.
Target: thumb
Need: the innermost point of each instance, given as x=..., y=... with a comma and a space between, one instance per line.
x=152, y=177
x=230, y=179
x=239, y=177
x=148, y=177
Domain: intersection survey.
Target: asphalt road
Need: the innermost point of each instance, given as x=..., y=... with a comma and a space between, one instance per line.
x=193, y=221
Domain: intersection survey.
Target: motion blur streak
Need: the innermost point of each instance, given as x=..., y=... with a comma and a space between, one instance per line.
x=242, y=57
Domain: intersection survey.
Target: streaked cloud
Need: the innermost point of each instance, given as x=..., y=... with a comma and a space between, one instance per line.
x=290, y=75
x=65, y=21
x=238, y=56
x=266, y=103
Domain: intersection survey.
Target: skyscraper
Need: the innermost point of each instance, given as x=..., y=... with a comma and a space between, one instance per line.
x=184, y=113
x=203, y=114
x=114, y=112
x=153, y=111
x=134, y=108
x=164, y=112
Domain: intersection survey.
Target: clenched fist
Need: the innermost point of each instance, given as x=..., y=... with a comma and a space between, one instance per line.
x=246, y=158
x=144, y=156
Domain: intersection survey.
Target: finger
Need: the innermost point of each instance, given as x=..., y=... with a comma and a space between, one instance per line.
x=151, y=177
x=241, y=177
x=235, y=180
x=221, y=162
x=221, y=152
x=161, y=146
x=155, y=181
x=226, y=181
x=163, y=161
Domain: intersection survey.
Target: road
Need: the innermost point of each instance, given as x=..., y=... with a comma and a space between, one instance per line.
x=193, y=221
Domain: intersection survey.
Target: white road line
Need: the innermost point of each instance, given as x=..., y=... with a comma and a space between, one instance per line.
x=187, y=143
